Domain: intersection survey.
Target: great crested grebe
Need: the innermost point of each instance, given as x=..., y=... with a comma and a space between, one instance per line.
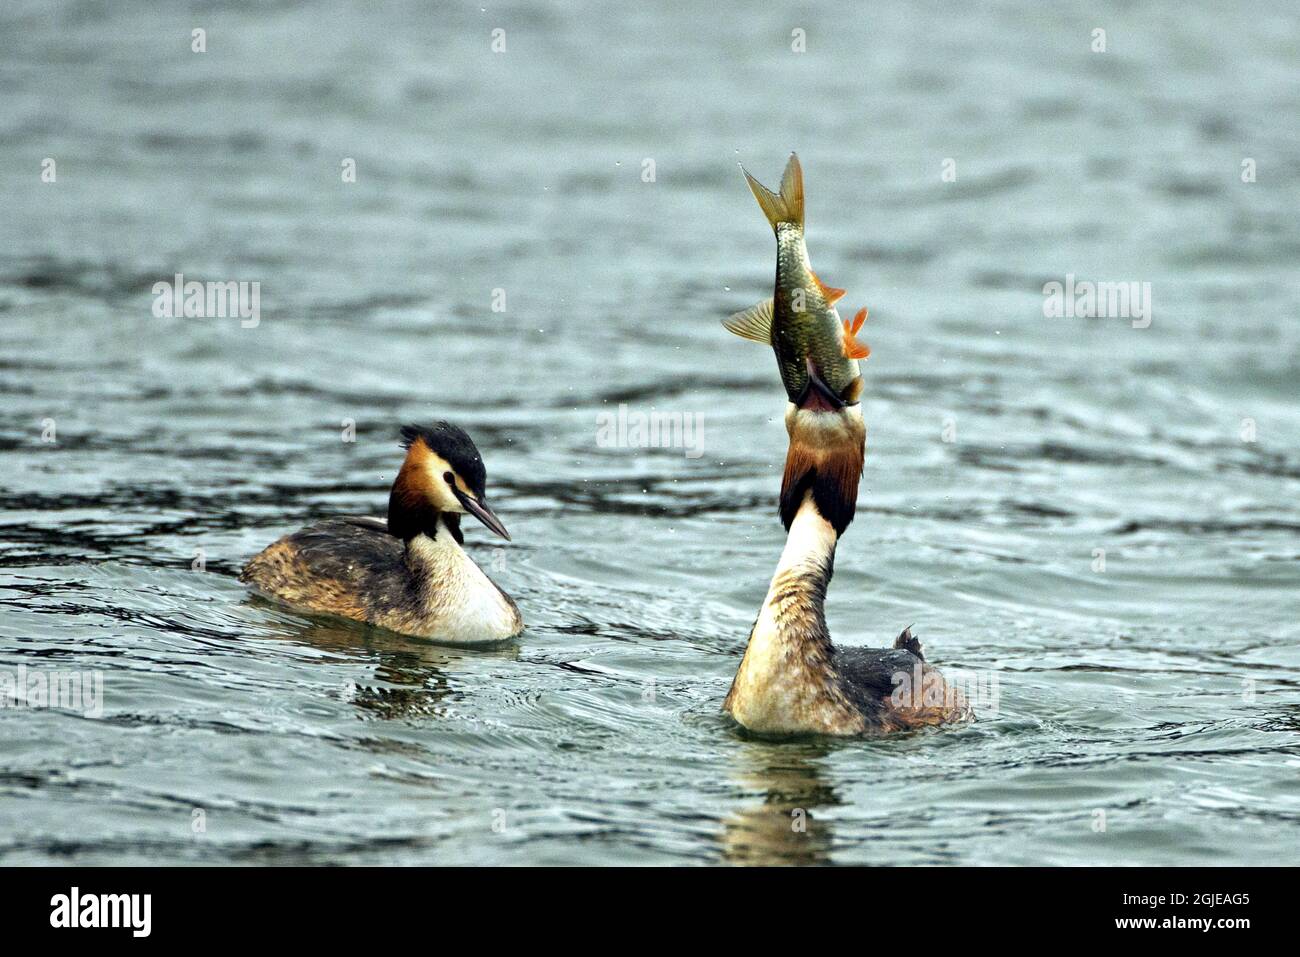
x=408, y=574
x=792, y=679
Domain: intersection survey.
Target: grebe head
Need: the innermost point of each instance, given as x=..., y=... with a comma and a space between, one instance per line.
x=442, y=478
x=825, y=457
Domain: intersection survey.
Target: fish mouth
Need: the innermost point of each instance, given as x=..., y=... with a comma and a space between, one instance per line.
x=817, y=396
x=480, y=511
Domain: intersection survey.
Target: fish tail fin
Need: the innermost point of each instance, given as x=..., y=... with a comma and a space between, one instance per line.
x=786, y=206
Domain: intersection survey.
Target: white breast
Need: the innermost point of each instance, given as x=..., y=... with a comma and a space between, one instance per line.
x=465, y=607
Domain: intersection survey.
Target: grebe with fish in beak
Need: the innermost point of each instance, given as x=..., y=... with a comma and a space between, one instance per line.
x=408, y=574
x=792, y=679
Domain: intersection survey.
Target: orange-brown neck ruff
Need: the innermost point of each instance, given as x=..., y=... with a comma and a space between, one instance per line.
x=825, y=457
x=411, y=511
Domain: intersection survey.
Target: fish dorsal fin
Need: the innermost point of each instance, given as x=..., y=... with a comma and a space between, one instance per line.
x=754, y=323
x=852, y=348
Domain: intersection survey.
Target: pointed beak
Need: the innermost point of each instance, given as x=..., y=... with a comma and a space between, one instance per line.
x=817, y=396
x=482, y=513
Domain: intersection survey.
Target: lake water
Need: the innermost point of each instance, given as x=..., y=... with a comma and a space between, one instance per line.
x=584, y=178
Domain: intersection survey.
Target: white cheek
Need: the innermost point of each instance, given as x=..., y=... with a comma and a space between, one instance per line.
x=449, y=502
x=443, y=499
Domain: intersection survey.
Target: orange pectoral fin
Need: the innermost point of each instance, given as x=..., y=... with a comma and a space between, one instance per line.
x=855, y=350
x=852, y=348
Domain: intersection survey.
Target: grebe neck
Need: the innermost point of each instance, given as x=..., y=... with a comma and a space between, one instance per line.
x=437, y=553
x=793, y=613
x=787, y=681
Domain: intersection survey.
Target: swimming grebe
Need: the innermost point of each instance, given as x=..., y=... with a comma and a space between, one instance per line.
x=792, y=679
x=408, y=574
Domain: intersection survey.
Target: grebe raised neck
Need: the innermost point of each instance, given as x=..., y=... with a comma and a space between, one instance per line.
x=409, y=574
x=792, y=679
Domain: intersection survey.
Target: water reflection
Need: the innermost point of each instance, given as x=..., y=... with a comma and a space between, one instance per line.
x=783, y=826
x=412, y=678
